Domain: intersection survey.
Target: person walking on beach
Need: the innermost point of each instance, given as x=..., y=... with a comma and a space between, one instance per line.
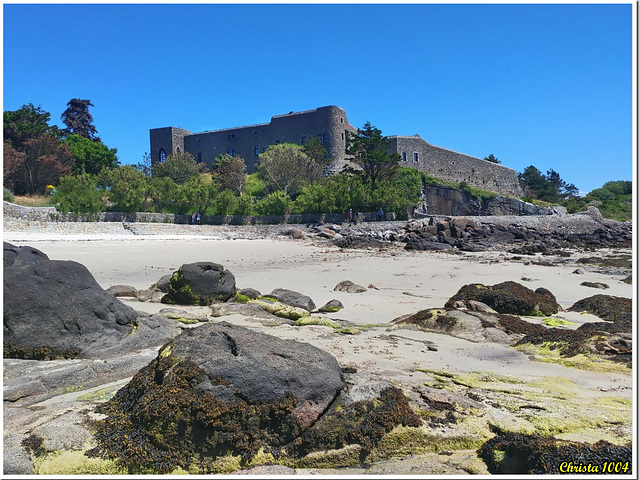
x=193, y=218
x=198, y=218
x=350, y=216
x=380, y=214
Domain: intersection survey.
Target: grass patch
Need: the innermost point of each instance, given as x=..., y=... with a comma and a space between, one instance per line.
x=33, y=200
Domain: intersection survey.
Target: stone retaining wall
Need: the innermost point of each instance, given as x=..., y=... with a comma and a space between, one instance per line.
x=50, y=214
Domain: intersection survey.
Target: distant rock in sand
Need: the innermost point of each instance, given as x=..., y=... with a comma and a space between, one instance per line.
x=349, y=287
x=201, y=283
x=123, y=291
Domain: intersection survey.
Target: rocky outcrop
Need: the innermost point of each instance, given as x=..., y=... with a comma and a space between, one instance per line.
x=441, y=200
x=219, y=389
x=508, y=297
x=201, y=283
x=56, y=309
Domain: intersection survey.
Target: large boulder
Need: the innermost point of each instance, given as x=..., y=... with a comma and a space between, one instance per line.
x=56, y=309
x=294, y=299
x=215, y=390
x=349, y=287
x=201, y=283
x=508, y=297
x=607, y=307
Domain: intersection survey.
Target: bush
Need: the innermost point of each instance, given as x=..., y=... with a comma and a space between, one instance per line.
x=276, y=203
x=79, y=194
x=7, y=196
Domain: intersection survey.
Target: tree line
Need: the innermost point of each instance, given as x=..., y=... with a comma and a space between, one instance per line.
x=88, y=177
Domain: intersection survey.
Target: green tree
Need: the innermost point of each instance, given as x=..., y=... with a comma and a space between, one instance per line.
x=179, y=167
x=286, y=167
x=78, y=119
x=491, y=158
x=90, y=156
x=128, y=189
x=230, y=172
x=369, y=151
x=165, y=195
x=318, y=155
x=79, y=194
x=197, y=196
x=26, y=123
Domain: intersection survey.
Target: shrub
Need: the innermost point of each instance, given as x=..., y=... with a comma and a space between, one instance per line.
x=79, y=194
x=7, y=196
x=276, y=203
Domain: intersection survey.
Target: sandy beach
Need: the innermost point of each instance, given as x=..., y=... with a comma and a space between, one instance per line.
x=400, y=283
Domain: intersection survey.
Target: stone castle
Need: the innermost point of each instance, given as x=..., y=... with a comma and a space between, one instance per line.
x=330, y=125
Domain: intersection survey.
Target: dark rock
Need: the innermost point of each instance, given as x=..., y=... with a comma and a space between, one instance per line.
x=331, y=306
x=122, y=291
x=201, y=283
x=600, y=285
x=163, y=283
x=509, y=297
x=249, y=292
x=349, y=287
x=218, y=389
x=517, y=453
x=293, y=299
x=24, y=255
x=56, y=309
x=607, y=307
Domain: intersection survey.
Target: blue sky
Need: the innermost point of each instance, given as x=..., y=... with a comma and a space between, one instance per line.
x=542, y=84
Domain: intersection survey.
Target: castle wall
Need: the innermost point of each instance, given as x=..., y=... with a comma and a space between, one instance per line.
x=169, y=139
x=455, y=167
x=329, y=124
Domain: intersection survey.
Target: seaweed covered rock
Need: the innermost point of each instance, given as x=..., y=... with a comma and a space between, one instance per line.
x=473, y=326
x=213, y=391
x=294, y=299
x=56, y=309
x=508, y=297
x=201, y=283
x=609, y=308
x=516, y=453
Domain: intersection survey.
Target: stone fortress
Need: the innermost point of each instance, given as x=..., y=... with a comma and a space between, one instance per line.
x=331, y=126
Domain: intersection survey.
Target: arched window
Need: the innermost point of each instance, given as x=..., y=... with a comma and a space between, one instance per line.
x=162, y=156
x=178, y=150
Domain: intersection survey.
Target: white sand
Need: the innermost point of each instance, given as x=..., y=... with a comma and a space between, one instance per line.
x=429, y=278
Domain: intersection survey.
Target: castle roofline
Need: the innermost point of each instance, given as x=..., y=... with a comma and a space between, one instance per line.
x=449, y=150
x=290, y=114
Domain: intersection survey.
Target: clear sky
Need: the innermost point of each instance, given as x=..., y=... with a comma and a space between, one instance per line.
x=542, y=84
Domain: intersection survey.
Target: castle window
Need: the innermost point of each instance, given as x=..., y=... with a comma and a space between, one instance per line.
x=231, y=136
x=199, y=157
x=341, y=120
x=404, y=156
x=162, y=156
x=342, y=135
x=178, y=149
x=255, y=132
x=303, y=140
x=256, y=150
x=324, y=139
x=415, y=157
